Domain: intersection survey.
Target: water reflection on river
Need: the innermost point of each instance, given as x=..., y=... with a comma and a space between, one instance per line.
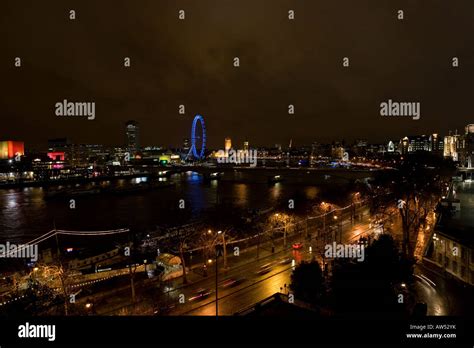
x=25, y=214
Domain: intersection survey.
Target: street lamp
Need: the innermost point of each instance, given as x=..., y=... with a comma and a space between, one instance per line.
x=224, y=248
x=88, y=306
x=217, y=281
x=338, y=227
x=325, y=206
x=353, y=206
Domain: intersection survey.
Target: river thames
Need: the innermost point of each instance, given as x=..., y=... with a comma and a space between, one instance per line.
x=27, y=213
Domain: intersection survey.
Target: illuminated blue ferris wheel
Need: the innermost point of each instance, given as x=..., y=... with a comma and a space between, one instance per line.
x=196, y=138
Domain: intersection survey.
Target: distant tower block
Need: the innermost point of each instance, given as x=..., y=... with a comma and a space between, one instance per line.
x=246, y=146
x=132, y=132
x=186, y=145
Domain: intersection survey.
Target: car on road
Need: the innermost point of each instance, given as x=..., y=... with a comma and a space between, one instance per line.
x=200, y=294
x=231, y=282
x=163, y=309
x=297, y=246
x=285, y=261
x=264, y=269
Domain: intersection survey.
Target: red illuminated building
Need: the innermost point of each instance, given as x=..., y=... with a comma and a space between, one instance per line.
x=10, y=149
x=56, y=156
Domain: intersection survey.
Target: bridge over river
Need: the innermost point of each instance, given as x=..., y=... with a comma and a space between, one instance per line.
x=272, y=174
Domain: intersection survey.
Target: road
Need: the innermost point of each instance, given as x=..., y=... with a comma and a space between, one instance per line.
x=198, y=297
x=254, y=287
x=428, y=286
x=443, y=294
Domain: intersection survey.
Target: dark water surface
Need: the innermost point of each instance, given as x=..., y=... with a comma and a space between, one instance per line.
x=26, y=214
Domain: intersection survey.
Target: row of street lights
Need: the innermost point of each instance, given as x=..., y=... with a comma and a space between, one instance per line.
x=280, y=217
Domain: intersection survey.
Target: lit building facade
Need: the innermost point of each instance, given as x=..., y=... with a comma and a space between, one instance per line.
x=227, y=144
x=56, y=156
x=451, y=146
x=246, y=146
x=436, y=144
x=10, y=149
x=466, y=148
x=391, y=146
x=453, y=254
x=404, y=145
x=433, y=143
x=418, y=143
x=451, y=246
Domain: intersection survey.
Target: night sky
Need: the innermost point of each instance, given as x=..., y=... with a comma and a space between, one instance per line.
x=190, y=62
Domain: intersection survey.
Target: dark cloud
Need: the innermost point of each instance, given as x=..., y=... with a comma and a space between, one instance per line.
x=190, y=62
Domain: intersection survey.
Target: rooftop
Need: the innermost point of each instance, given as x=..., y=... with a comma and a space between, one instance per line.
x=460, y=226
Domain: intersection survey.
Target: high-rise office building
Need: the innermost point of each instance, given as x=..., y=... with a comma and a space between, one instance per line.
x=419, y=143
x=132, y=131
x=436, y=144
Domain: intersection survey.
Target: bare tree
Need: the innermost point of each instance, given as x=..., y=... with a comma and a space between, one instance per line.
x=281, y=222
x=417, y=195
x=181, y=240
x=53, y=276
x=383, y=216
x=207, y=241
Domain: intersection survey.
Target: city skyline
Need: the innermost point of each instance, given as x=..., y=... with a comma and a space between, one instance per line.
x=239, y=144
